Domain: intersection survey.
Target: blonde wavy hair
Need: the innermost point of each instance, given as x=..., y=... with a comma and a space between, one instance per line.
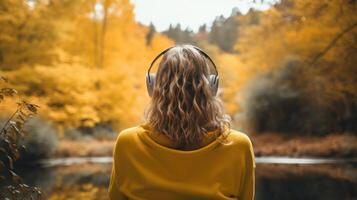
x=182, y=105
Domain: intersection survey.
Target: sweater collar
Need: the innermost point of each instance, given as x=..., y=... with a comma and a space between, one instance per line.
x=164, y=140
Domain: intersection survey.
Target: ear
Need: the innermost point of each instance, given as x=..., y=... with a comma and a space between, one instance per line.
x=150, y=82
x=214, y=82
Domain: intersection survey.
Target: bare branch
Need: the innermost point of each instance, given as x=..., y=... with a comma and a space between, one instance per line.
x=332, y=43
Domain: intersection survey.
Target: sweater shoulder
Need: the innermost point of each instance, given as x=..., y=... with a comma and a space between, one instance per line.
x=129, y=133
x=244, y=144
x=127, y=137
x=240, y=138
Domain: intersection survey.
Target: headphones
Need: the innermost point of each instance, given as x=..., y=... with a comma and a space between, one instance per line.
x=213, y=78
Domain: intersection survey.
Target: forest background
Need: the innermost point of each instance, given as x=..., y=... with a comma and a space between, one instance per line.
x=286, y=73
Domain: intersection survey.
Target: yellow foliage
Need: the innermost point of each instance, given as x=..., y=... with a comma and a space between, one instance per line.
x=303, y=29
x=99, y=75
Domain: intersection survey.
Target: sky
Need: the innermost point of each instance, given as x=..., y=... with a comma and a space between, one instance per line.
x=189, y=13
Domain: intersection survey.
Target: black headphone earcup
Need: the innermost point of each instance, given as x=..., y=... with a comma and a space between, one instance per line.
x=213, y=82
x=150, y=82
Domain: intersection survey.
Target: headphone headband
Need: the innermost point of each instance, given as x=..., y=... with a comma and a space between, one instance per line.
x=198, y=49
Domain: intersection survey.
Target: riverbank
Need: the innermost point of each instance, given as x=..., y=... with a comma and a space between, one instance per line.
x=88, y=148
x=333, y=145
x=267, y=144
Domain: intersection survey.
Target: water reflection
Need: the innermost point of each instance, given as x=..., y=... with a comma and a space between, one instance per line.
x=273, y=181
x=305, y=182
x=77, y=182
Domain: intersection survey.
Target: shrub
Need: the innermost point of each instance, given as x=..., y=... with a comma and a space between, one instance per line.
x=41, y=141
x=292, y=101
x=73, y=134
x=11, y=132
x=100, y=131
x=104, y=132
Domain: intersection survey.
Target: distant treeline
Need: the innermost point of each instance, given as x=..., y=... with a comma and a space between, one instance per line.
x=223, y=32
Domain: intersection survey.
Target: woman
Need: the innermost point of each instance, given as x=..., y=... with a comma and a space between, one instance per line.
x=185, y=149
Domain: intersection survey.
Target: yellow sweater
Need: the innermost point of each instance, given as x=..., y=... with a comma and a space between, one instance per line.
x=147, y=168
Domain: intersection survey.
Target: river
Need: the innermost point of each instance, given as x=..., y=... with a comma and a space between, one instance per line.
x=277, y=178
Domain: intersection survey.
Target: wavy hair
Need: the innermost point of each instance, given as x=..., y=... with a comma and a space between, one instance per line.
x=182, y=105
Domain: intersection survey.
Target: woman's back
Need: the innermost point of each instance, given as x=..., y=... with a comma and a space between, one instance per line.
x=149, y=168
x=185, y=149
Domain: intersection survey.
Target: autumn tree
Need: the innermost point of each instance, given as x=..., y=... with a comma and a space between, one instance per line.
x=101, y=58
x=320, y=36
x=224, y=31
x=27, y=36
